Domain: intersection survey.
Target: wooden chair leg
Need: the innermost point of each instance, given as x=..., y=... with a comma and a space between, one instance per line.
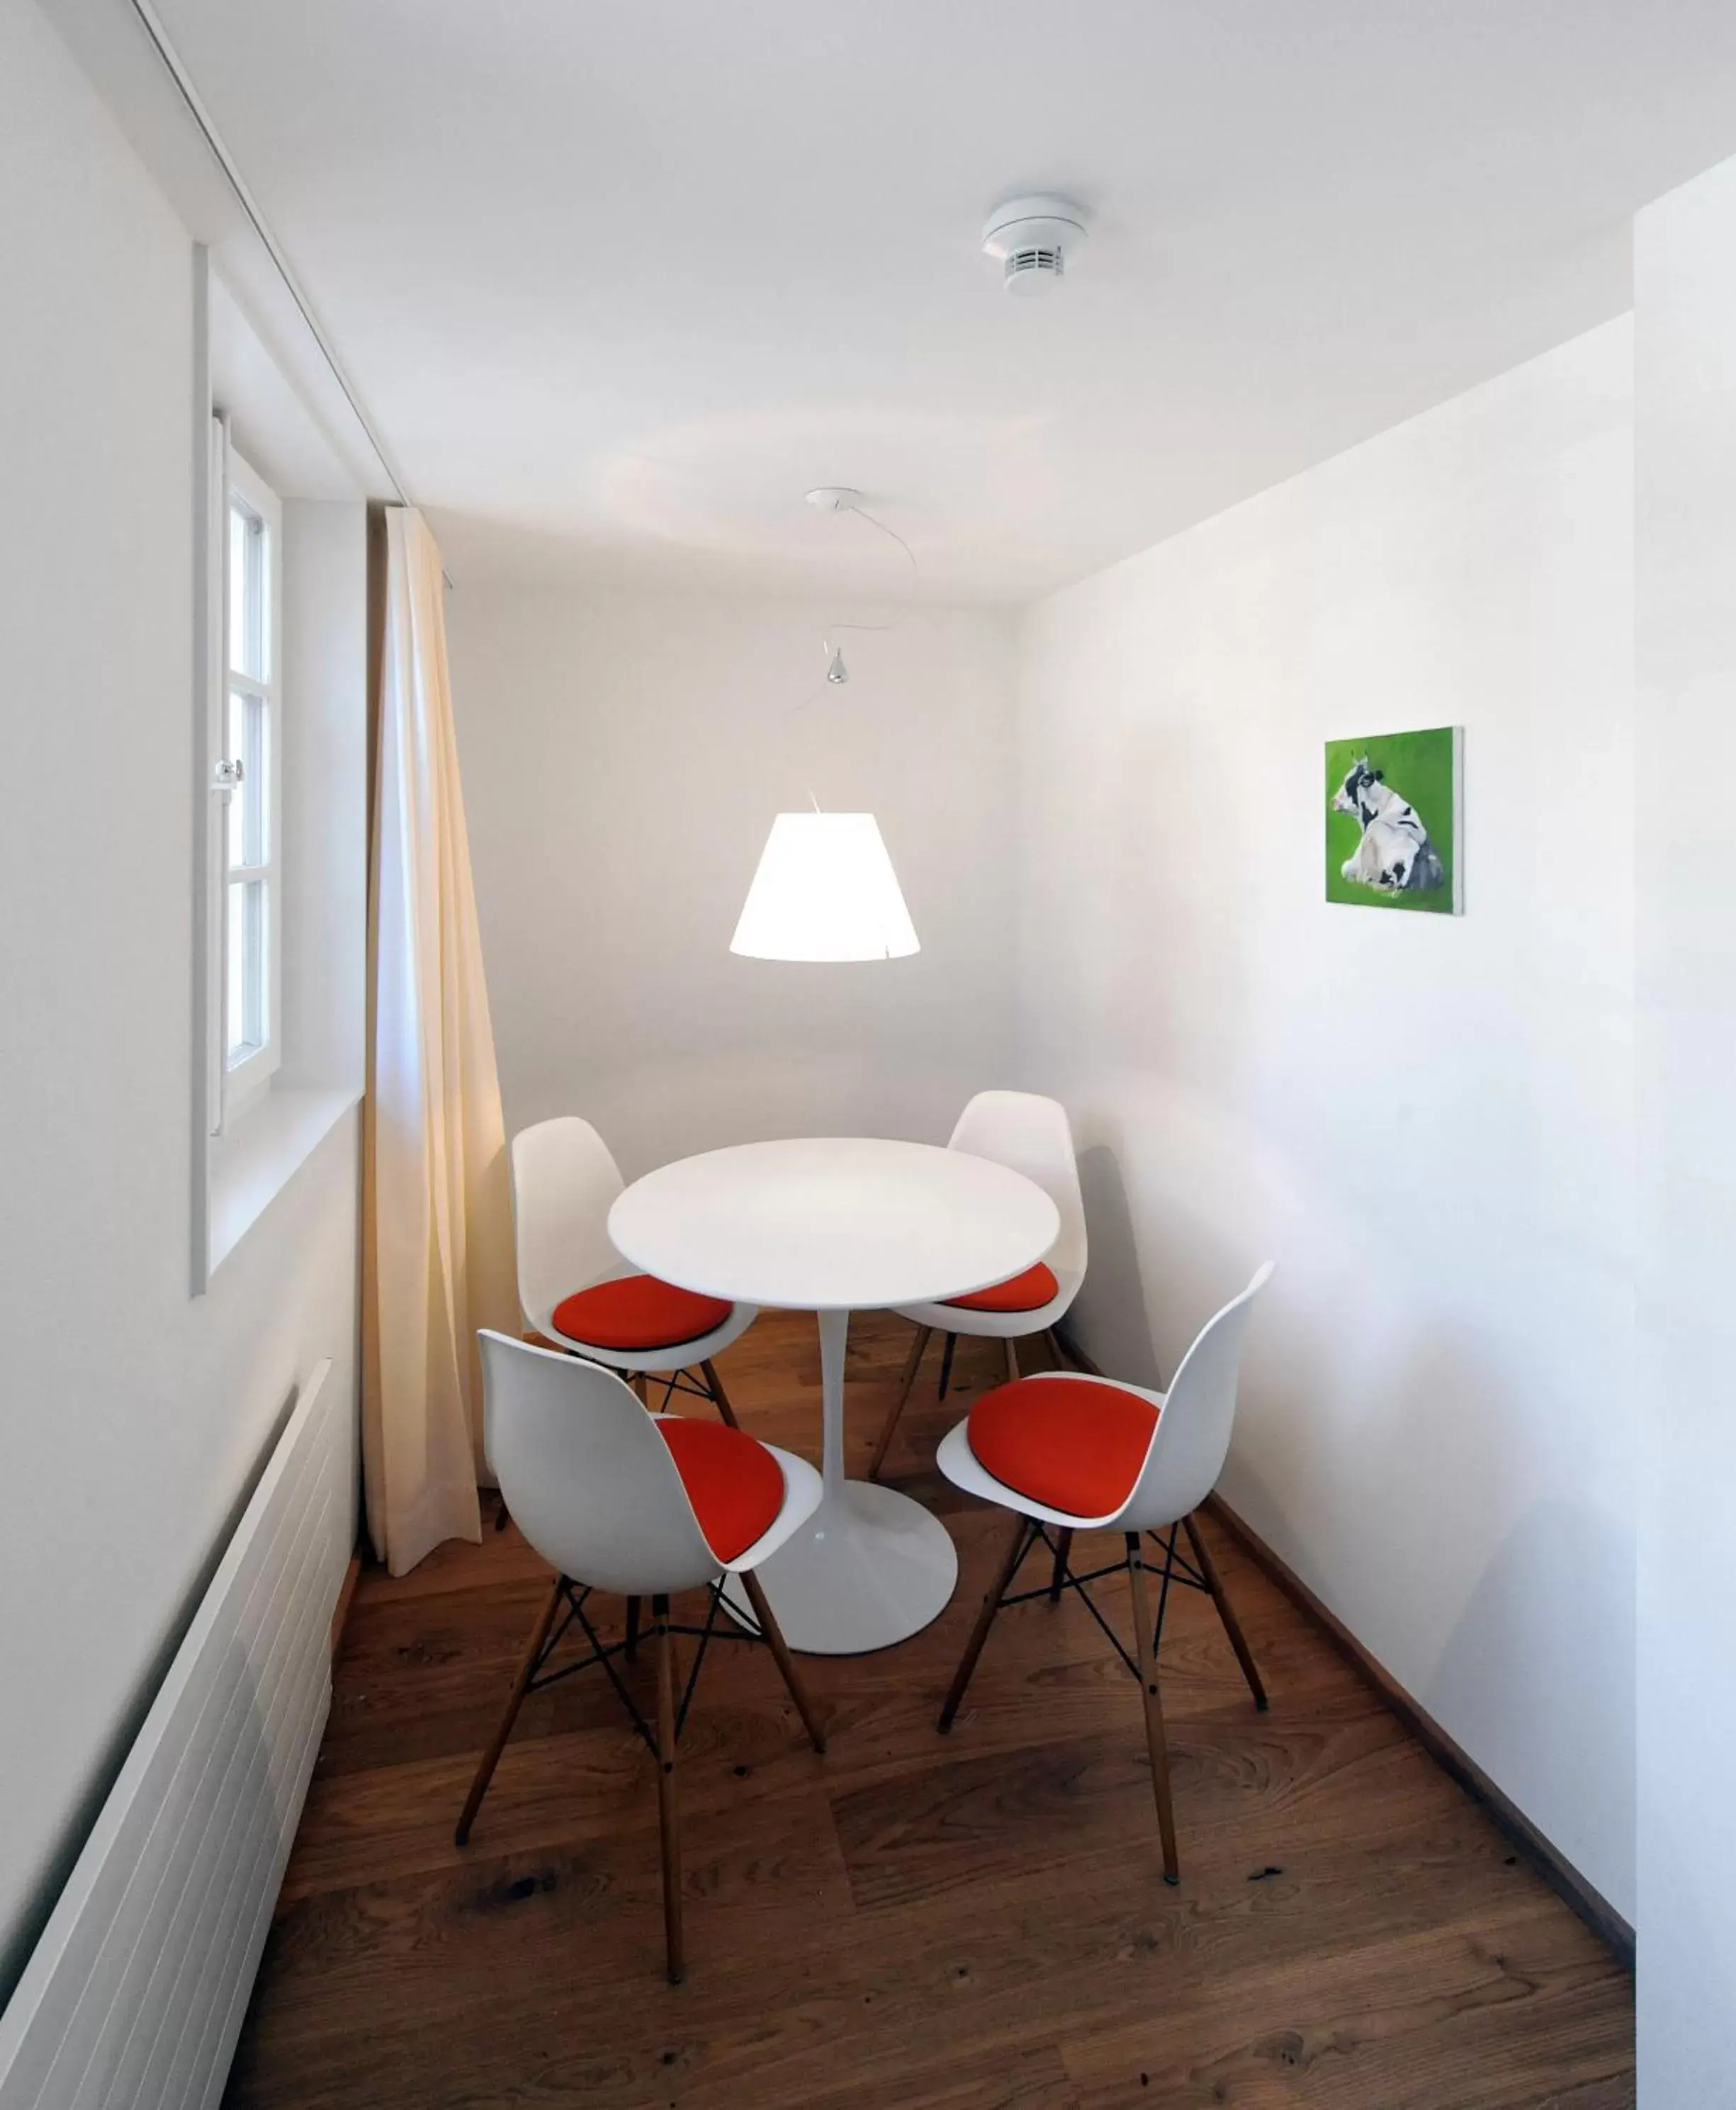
x=1011, y=1360
x=1156, y=1744
x=1064, y=1547
x=774, y=1633
x=502, y=1515
x=669, y=1814
x=1221, y=1597
x=714, y=1385
x=635, y=1378
x=946, y=1363
x=492, y=1757
x=632, y=1629
x=913, y=1363
x=1024, y=1531
x=1054, y=1348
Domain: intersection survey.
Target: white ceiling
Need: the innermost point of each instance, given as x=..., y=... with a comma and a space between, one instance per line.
x=619, y=279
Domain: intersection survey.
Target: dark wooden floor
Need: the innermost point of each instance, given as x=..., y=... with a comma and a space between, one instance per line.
x=911, y=1920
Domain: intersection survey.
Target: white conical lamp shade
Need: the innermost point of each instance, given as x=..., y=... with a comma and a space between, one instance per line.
x=825, y=890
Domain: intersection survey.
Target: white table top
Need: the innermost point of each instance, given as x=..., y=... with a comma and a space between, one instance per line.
x=834, y=1223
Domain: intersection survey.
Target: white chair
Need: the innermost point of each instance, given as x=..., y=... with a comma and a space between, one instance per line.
x=1030, y=1134
x=639, y=1506
x=1067, y=1453
x=577, y=1292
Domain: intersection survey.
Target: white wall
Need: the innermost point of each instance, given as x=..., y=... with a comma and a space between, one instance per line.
x=1685, y=414
x=1426, y=1121
x=622, y=759
x=130, y=1415
x=325, y=792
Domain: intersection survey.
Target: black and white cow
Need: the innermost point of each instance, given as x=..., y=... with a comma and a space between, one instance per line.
x=1395, y=854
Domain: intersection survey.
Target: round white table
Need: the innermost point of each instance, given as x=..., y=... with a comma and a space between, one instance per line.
x=831, y=1225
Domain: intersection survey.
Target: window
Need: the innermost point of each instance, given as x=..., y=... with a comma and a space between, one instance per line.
x=278, y=928
x=251, y=980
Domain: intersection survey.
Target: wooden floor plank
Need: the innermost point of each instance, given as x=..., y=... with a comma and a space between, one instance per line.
x=1489, y=2019
x=913, y=1922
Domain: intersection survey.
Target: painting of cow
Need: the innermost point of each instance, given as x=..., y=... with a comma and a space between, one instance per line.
x=1393, y=808
x=1395, y=853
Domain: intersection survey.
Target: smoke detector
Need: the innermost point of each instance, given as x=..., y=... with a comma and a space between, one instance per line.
x=1031, y=238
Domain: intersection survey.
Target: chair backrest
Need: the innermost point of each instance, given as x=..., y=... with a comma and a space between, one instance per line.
x=587, y=1479
x=564, y=1180
x=1193, y=1434
x=1030, y=1134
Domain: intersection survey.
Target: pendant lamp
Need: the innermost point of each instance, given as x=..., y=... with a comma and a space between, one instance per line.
x=825, y=889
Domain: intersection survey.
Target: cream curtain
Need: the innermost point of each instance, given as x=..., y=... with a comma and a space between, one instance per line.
x=437, y=1234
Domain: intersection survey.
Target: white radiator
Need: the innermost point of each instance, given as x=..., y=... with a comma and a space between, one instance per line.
x=134, y=1995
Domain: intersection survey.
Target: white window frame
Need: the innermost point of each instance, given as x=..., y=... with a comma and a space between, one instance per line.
x=244, y=1079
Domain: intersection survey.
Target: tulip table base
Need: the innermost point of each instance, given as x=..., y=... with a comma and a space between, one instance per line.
x=871, y=1568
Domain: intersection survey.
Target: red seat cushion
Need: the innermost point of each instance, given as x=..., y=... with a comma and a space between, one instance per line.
x=735, y=1485
x=1073, y=1444
x=1028, y=1292
x=638, y=1312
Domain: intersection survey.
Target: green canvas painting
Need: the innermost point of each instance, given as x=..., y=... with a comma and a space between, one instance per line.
x=1394, y=804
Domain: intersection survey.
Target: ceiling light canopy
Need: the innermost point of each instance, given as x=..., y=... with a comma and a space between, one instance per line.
x=825, y=889
x=1032, y=239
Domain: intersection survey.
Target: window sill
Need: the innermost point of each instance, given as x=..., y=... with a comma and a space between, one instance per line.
x=251, y=1166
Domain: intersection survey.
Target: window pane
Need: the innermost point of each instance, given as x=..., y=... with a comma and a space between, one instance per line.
x=259, y=995
x=259, y=614
x=247, y=741
x=247, y=972
x=258, y=779
x=234, y=746
x=239, y=543
x=236, y=974
x=247, y=595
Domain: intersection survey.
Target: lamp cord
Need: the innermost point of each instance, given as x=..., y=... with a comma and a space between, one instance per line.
x=862, y=513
